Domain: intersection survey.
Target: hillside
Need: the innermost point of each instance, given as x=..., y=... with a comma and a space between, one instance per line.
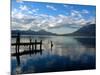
x=88, y=30
x=30, y=32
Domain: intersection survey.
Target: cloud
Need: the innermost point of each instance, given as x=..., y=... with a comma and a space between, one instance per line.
x=75, y=13
x=19, y=1
x=81, y=21
x=14, y=11
x=51, y=7
x=66, y=6
x=92, y=20
x=19, y=15
x=30, y=12
x=19, y=26
x=22, y=21
x=35, y=10
x=23, y=7
x=85, y=11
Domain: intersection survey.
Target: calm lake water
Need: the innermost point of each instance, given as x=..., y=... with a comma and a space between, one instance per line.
x=67, y=53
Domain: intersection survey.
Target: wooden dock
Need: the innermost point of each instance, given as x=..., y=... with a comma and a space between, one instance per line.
x=32, y=46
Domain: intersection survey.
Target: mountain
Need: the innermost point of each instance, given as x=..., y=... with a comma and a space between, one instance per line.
x=30, y=32
x=43, y=32
x=88, y=30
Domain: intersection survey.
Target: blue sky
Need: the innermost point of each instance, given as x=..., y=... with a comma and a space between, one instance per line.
x=52, y=17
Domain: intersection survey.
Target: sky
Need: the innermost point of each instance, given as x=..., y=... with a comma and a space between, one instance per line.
x=52, y=17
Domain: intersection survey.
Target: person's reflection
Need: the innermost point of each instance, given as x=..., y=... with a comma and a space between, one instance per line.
x=51, y=44
x=18, y=59
x=41, y=52
x=18, y=68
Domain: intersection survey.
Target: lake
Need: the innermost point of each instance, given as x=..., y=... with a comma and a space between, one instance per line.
x=66, y=53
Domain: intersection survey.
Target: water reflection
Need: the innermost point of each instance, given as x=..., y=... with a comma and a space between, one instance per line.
x=58, y=54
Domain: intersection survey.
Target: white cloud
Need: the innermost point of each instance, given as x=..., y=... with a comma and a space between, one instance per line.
x=19, y=1
x=35, y=21
x=92, y=20
x=81, y=21
x=76, y=13
x=19, y=15
x=51, y=7
x=30, y=12
x=66, y=6
x=13, y=12
x=17, y=26
x=35, y=10
x=85, y=11
x=23, y=7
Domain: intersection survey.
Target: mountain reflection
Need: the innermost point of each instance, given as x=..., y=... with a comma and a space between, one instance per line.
x=62, y=54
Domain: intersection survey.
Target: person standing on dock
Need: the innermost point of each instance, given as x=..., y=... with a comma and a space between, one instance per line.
x=18, y=38
x=30, y=44
x=18, y=42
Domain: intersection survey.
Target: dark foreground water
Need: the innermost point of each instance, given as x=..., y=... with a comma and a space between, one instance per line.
x=66, y=54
